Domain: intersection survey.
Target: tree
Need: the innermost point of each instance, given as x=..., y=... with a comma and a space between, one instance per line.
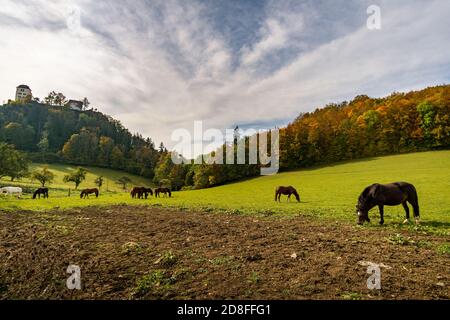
x=12, y=162
x=99, y=182
x=50, y=98
x=86, y=103
x=60, y=99
x=117, y=158
x=81, y=148
x=76, y=177
x=123, y=181
x=43, y=144
x=44, y=176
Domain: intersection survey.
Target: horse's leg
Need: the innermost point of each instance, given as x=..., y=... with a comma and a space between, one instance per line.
x=289, y=198
x=381, y=208
x=405, y=206
x=416, y=212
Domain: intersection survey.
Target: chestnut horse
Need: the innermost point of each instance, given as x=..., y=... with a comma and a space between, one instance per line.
x=163, y=190
x=86, y=192
x=391, y=194
x=288, y=191
x=140, y=192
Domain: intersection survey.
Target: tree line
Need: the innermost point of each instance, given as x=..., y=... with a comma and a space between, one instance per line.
x=363, y=127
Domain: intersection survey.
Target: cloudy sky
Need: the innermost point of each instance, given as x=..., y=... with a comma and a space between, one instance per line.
x=161, y=65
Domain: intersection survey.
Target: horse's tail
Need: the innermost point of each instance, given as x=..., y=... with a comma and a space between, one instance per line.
x=276, y=193
x=34, y=195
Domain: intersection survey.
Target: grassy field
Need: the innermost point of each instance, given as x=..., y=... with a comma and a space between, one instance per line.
x=329, y=191
x=60, y=170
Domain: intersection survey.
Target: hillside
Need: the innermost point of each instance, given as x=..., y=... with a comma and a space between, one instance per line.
x=364, y=127
x=330, y=191
x=110, y=179
x=57, y=134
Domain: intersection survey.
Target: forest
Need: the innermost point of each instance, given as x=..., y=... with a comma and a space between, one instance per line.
x=364, y=127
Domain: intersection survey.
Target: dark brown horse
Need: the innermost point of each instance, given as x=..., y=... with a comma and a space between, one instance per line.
x=392, y=194
x=165, y=191
x=38, y=192
x=86, y=192
x=141, y=192
x=287, y=191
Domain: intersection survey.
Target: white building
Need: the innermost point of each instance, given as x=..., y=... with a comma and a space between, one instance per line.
x=23, y=93
x=75, y=105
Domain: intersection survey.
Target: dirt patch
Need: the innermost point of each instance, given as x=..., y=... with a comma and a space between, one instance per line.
x=146, y=253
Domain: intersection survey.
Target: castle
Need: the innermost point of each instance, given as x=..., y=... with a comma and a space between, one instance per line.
x=23, y=93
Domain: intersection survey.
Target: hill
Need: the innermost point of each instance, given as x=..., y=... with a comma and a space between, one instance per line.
x=328, y=192
x=60, y=170
x=58, y=134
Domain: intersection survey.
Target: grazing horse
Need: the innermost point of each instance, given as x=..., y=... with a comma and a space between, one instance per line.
x=11, y=191
x=288, y=191
x=38, y=192
x=165, y=191
x=392, y=194
x=140, y=192
x=86, y=192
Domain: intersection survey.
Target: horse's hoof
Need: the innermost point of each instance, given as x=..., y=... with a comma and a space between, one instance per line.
x=381, y=223
x=417, y=221
x=406, y=221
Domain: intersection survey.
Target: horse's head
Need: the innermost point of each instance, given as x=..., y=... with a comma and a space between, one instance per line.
x=363, y=214
x=297, y=196
x=365, y=203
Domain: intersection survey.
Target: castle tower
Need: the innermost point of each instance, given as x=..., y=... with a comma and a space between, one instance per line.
x=23, y=92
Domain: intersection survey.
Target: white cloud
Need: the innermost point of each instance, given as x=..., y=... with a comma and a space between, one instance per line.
x=160, y=67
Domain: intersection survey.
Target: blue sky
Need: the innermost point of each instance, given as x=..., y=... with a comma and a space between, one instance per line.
x=160, y=65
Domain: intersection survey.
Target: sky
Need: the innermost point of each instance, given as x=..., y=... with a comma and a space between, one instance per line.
x=160, y=65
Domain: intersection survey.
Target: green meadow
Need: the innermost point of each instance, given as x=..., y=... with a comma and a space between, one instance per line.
x=329, y=191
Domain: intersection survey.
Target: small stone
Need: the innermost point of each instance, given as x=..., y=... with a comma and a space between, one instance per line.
x=294, y=256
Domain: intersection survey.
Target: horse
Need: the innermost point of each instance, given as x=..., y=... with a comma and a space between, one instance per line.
x=288, y=191
x=163, y=190
x=391, y=194
x=11, y=191
x=86, y=192
x=135, y=192
x=38, y=192
x=140, y=192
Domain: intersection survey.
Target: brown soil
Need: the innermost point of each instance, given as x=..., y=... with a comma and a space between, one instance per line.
x=132, y=253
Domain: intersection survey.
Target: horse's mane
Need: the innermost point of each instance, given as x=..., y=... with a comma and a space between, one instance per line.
x=364, y=196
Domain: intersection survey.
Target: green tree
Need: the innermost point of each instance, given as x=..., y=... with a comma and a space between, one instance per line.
x=44, y=176
x=117, y=158
x=13, y=163
x=99, y=182
x=86, y=103
x=60, y=99
x=50, y=98
x=164, y=167
x=427, y=114
x=123, y=181
x=76, y=177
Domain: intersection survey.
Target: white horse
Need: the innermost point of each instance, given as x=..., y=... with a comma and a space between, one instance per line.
x=11, y=191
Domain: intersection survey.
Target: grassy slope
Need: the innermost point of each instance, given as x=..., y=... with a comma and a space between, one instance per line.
x=60, y=170
x=329, y=191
